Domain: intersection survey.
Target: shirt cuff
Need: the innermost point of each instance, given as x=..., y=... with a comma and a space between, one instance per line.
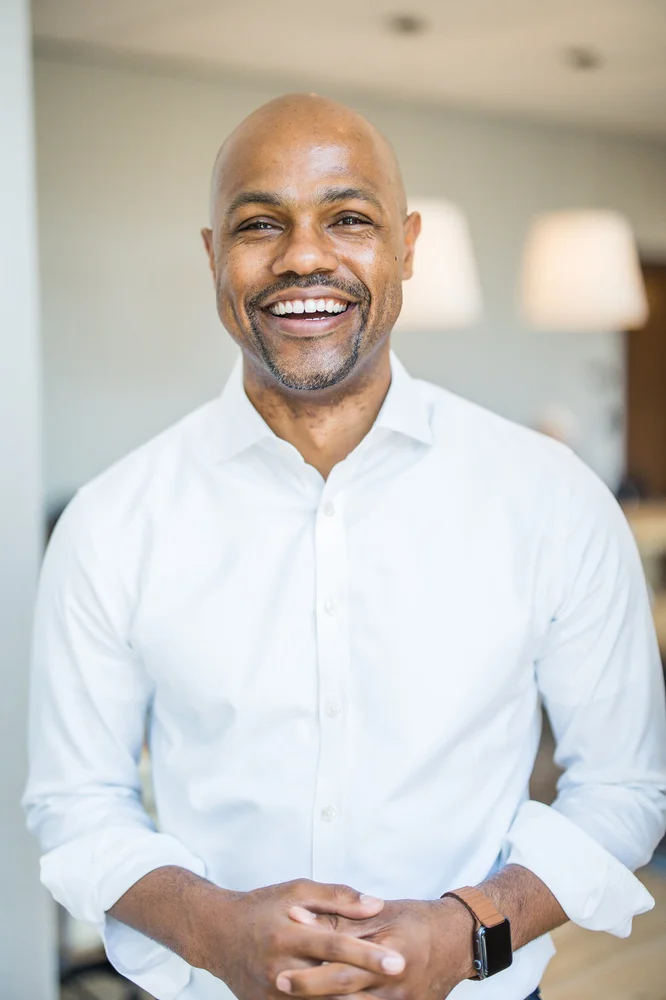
x=97, y=869
x=150, y=965
x=594, y=889
x=90, y=873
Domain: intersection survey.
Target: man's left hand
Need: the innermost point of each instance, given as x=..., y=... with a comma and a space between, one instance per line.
x=434, y=938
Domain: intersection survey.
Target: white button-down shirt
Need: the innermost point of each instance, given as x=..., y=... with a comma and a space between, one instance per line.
x=342, y=678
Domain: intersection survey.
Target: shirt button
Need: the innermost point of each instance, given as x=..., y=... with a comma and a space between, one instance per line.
x=331, y=606
x=329, y=509
x=333, y=709
x=328, y=813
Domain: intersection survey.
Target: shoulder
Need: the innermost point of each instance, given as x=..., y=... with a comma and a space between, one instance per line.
x=138, y=489
x=515, y=467
x=491, y=444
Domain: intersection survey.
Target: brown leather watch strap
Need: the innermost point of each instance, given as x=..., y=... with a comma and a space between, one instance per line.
x=478, y=904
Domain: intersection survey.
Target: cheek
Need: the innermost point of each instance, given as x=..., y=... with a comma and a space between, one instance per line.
x=239, y=278
x=384, y=279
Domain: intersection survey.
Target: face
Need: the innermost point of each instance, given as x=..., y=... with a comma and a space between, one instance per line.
x=309, y=249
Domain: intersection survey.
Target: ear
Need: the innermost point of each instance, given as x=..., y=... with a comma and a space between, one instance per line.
x=207, y=237
x=412, y=227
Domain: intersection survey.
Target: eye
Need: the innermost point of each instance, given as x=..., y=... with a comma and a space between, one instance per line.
x=351, y=219
x=257, y=225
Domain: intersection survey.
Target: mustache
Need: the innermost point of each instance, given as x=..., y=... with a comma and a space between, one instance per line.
x=354, y=289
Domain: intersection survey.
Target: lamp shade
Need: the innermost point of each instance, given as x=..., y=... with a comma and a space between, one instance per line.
x=443, y=292
x=581, y=272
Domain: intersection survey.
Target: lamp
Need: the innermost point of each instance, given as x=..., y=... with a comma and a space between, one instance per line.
x=581, y=272
x=443, y=292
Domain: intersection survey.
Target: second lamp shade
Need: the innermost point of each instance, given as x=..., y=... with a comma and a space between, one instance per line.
x=581, y=273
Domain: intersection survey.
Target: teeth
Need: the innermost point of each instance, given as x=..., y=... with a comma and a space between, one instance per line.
x=308, y=306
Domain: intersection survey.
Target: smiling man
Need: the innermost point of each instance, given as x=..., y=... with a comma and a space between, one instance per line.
x=336, y=598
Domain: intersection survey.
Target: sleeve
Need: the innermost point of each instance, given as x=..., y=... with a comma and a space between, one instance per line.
x=600, y=678
x=90, y=694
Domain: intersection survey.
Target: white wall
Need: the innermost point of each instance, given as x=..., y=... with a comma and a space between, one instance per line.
x=27, y=947
x=132, y=340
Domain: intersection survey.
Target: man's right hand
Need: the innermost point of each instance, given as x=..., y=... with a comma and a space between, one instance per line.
x=247, y=939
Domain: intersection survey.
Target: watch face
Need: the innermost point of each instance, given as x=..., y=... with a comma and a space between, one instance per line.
x=495, y=948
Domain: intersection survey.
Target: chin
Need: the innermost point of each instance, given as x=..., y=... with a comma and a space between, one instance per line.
x=312, y=367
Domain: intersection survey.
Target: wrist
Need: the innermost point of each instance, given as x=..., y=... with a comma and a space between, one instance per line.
x=208, y=919
x=454, y=928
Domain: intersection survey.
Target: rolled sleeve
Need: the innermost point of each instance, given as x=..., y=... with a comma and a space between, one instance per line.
x=600, y=678
x=594, y=889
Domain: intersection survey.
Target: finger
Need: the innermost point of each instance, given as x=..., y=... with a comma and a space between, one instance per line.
x=333, y=979
x=330, y=921
x=341, y=899
x=332, y=946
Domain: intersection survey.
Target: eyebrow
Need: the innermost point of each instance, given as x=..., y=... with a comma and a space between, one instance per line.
x=332, y=195
x=329, y=196
x=253, y=198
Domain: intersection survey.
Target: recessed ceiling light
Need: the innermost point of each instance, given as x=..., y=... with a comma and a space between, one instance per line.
x=580, y=57
x=408, y=24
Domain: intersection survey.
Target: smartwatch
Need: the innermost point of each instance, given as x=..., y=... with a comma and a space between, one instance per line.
x=492, y=933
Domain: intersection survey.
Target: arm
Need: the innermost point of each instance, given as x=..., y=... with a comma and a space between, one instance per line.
x=89, y=697
x=601, y=681
x=102, y=857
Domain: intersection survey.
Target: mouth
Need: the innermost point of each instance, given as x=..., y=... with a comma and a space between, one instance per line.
x=309, y=316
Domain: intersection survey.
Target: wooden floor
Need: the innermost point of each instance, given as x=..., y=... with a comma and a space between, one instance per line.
x=594, y=966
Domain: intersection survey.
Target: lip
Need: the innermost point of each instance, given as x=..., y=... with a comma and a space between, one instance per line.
x=300, y=326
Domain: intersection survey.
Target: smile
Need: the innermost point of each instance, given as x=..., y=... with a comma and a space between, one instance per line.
x=315, y=308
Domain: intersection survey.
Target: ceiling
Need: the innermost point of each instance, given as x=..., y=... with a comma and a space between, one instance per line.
x=494, y=55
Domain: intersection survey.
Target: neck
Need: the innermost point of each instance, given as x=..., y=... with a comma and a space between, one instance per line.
x=326, y=425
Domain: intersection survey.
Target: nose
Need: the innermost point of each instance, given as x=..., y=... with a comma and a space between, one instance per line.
x=305, y=250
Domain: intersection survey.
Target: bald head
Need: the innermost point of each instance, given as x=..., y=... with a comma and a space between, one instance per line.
x=309, y=241
x=298, y=117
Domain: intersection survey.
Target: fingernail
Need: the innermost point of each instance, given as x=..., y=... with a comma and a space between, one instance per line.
x=369, y=900
x=302, y=915
x=283, y=984
x=393, y=963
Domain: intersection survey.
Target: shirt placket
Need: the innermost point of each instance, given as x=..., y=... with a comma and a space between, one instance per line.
x=332, y=615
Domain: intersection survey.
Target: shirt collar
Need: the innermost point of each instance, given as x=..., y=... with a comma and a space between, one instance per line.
x=240, y=426
x=405, y=408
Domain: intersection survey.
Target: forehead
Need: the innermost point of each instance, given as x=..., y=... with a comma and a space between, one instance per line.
x=297, y=164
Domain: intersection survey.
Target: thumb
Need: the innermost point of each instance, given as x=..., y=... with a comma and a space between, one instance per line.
x=342, y=900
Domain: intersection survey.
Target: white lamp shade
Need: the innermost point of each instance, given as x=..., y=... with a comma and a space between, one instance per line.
x=443, y=292
x=581, y=272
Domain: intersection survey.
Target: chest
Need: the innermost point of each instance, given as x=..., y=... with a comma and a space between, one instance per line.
x=403, y=602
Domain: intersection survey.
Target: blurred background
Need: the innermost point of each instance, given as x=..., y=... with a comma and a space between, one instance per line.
x=533, y=138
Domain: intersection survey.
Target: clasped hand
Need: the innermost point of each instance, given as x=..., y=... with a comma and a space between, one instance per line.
x=311, y=940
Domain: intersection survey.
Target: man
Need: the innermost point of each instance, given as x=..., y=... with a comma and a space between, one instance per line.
x=338, y=595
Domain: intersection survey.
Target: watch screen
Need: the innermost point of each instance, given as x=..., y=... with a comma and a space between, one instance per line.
x=498, y=951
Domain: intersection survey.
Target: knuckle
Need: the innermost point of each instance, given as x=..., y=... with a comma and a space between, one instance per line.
x=346, y=977
x=344, y=892
x=300, y=885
